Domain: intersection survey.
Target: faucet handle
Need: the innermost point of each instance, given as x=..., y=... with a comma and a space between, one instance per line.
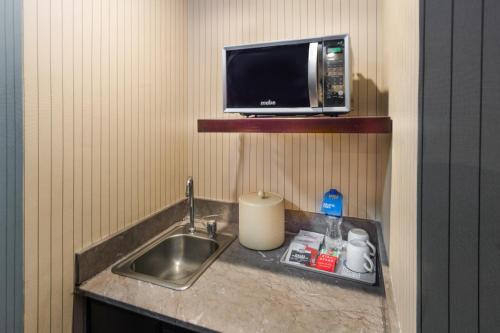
x=211, y=228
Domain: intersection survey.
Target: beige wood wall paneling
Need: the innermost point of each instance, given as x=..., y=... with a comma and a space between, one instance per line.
x=299, y=166
x=109, y=141
x=400, y=25
x=105, y=131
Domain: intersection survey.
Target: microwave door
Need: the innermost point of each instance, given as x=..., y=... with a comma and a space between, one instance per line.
x=270, y=79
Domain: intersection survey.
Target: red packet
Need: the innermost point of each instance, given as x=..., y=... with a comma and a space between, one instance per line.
x=314, y=253
x=326, y=263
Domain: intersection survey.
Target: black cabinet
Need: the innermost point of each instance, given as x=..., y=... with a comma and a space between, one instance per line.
x=105, y=318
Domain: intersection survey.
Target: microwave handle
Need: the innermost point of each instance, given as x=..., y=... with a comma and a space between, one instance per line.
x=312, y=74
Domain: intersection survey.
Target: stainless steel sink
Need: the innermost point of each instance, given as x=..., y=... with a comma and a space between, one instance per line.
x=176, y=259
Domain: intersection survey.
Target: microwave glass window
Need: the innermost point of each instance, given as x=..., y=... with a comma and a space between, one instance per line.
x=273, y=77
x=334, y=69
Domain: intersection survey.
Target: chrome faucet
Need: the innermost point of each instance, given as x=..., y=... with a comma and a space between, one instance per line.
x=190, y=196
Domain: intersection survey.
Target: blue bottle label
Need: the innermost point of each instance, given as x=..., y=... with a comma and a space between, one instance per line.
x=332, y=203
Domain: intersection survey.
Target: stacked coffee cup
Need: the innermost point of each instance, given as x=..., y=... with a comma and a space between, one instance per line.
x=360, y=252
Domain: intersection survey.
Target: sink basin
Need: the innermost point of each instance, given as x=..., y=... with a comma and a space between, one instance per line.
x=174, y=260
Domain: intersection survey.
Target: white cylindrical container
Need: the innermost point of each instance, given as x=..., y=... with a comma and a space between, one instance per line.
x=262, y=220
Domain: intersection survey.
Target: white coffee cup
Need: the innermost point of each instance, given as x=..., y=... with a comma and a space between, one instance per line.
x=358, y=257
x=362, y=235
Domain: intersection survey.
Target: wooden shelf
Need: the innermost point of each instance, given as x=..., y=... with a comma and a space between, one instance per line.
x=297, y=125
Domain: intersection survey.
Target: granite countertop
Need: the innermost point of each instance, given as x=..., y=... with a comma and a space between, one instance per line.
x=250, y=291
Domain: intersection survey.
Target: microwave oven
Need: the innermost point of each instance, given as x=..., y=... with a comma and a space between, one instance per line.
x=295, y=77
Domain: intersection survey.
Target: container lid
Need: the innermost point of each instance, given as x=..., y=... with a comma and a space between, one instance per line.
x=261, y=198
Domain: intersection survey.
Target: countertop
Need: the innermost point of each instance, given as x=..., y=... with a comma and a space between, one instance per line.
x=250, y=291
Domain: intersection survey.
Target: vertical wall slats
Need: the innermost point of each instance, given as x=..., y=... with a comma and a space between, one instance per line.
x=86, y=126
x=4, y=176
x=301, y=167
x=372, y=94
x=9, y=133
x=95, y=117
x=107, y=102
x=77, y=23
x=399, y=79
x=114, y=114
x=11, y=159
x=489, y=251
x=464, y=168
x=68, y=197
x=343, y=155
x=18, y=269
x=435, y=163
x=362, y=194
x=44, y=170
x=105, y=116
x=56, y=165
x=460, y=163
x=31, y=160
x=103, y=87
x=352, y=189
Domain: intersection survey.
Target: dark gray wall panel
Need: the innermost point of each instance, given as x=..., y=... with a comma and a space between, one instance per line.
x=459, y=206
x=435, y=165
x=3, y=169
x=464, y=165
x=11, y=168
x=489, y=258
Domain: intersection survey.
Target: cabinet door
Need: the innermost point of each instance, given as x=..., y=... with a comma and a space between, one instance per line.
x=104, y=318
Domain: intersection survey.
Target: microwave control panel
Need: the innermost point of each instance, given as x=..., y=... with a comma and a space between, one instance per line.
x=334, y=73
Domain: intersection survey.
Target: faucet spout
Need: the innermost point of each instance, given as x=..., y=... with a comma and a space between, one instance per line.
x=190, y=196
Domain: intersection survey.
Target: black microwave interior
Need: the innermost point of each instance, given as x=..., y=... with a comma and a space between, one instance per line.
x=271, y=77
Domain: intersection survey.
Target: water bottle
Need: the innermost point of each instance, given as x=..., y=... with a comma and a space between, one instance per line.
x=333, y=236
